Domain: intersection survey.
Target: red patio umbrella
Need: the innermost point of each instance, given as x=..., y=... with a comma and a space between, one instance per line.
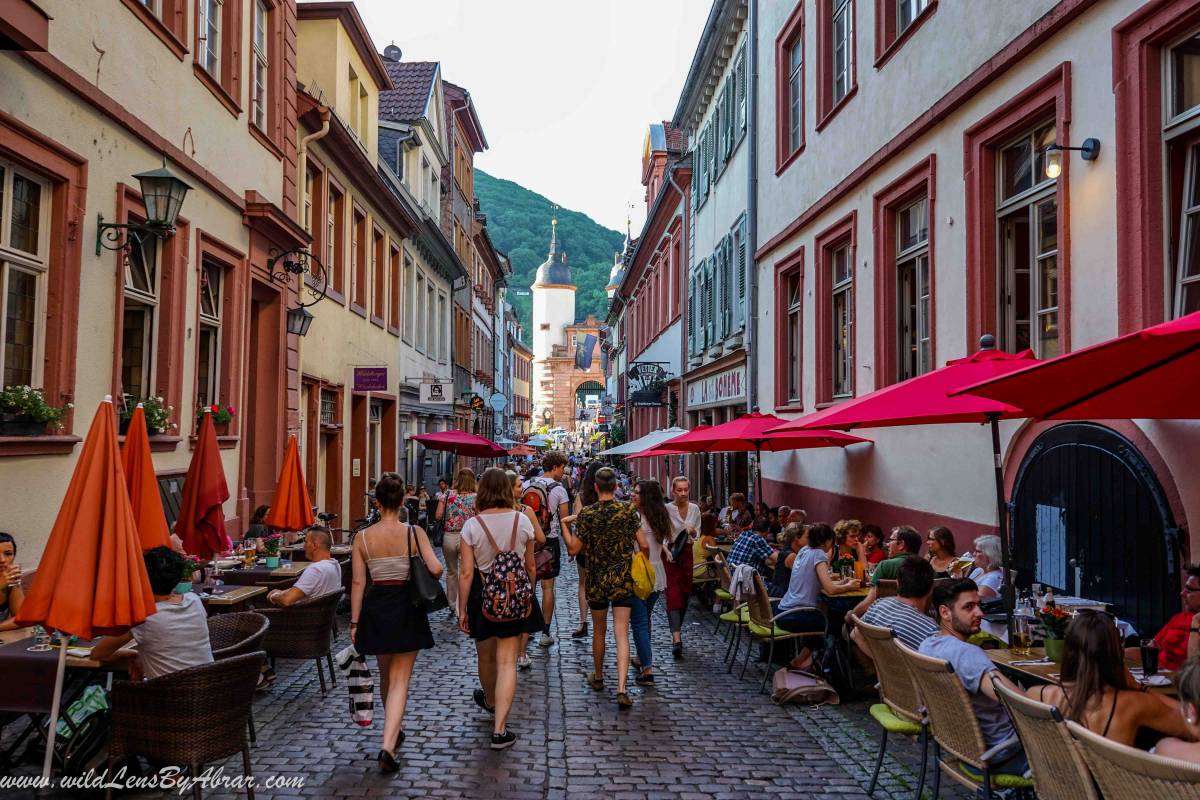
x=291, y=509
x=201, y=522
x=1149, y=374
x=143, y=484
x=91, y=579
x=925, y=400
x=522, y=450
x=461, y=443
x=755, y=432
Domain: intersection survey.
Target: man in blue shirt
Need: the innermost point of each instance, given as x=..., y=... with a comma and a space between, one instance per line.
x=752, y=548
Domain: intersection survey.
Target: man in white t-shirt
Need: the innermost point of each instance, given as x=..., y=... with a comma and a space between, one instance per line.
x=554, y=466
x=322, y=576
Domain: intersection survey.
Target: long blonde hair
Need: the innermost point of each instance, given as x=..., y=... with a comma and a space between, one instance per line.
x=464, y=481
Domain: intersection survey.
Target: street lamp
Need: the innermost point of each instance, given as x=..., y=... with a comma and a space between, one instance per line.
x=162, y=194
x=298, y=320
x=1090, y=151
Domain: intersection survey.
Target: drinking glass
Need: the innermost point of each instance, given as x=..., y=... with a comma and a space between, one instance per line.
x=41, y=640
x=14, y=575
x=1022, y=635
x=217, y=583
x=1149, y=657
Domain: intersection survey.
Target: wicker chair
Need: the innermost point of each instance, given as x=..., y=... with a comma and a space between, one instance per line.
x=762, y=628
x=901, y=711
x=192, y=717
x=1126, y=773
x=887, y=588
x=955, y=728
x=1059, y=771
x=302, y=631
x=236, y=634
x=724, y=590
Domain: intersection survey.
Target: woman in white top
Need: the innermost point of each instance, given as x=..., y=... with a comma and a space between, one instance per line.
x=539, y=537
x=656, y=528
x=383, y=621
x=685, y=519
x=988, y=574
x=496, y=527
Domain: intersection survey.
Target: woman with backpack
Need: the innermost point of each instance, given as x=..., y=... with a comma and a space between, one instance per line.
x=496, y=603
x=539, y=537
x=383, y=620
x=453, y=512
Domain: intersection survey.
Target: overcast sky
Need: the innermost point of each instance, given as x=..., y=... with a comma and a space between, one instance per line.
x=565, y=89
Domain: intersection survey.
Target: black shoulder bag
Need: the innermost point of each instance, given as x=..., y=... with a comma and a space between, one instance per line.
x=427, y=592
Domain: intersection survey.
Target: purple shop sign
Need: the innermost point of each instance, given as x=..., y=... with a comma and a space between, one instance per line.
x=370, y=379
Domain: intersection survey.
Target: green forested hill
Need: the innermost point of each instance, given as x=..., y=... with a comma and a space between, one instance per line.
x=519, y=224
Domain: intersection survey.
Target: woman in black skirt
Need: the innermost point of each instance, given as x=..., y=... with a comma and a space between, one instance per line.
x=497, y=643
x=385, y=623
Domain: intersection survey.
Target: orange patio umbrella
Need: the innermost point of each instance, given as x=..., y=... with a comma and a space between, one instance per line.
x=143, y=485
x=201, y=523
x=91, y=578
x=291, y=510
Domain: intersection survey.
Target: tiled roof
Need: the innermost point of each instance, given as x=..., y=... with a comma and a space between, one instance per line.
x=413, y=80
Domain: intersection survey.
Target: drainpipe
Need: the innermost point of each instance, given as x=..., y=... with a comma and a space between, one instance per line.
x=301, y=161
x=752, y=354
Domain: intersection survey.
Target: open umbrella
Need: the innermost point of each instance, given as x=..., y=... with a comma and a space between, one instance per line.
x=461, y=443
x=291, y=509
x=143, y=484
x=91, y=579
x=201, y=522
x=1149, y=374
x=522, y=450
x=755, y=432
x=538, y=441
x=652, y=439
x=925, y=400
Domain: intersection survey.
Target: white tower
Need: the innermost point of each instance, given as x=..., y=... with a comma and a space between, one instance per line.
x=553, y=310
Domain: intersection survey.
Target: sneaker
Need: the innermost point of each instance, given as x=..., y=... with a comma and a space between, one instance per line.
x=524, y=662
x=480, y=699
x=579, y=632
x=644, y=679
x=677, y=650
x=503, y=741
x=546, y=640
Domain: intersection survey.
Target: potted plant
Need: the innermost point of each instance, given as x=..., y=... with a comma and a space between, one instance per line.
x=270, y=546
x=1054, y=621
x=158, y=415
x=25, y=412
x=191, y=565
x=221, y=416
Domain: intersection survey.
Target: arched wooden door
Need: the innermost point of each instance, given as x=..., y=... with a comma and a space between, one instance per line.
x=1091, y=519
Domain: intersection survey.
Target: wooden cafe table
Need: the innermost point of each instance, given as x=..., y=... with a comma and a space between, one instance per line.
x=230, y=598
x=261, y=574
x=1011, y=663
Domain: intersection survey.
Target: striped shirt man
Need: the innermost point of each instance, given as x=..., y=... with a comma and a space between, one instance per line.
x=910, y=625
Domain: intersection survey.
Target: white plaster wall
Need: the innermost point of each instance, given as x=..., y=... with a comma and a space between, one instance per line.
x=945, y=470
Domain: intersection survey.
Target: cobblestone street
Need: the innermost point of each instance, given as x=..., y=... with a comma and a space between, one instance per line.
x=699, y=733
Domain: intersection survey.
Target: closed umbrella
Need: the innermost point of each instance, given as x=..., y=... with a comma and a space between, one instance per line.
x=461, y=443
x=926, y=400
x=1153, y=373
x=143, y=484
x=201, y=522
x=291, y=509
x=754, y=432
x=91, y=579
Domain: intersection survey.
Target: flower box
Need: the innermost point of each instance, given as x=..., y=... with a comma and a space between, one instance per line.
x=20, y=425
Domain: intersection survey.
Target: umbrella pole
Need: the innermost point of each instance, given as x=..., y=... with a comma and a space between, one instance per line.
x=1006, y=588
x=758, y=472
x=48, y=761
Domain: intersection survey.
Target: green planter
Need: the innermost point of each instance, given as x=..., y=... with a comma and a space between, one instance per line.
x=1054, y=650
x=20, y=425
x=272, y=562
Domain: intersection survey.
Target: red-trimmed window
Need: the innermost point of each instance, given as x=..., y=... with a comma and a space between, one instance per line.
x=1018, y=264
x=789, y=89
x=904, y=284
x=789, y=332
x=1181, y=135
x=266, y=99
x=396, y=289
x=218, y=53
x=676, y=271
x=335, y=241
x=218, y=338
x=24, y=264
x=166, y=19
x=834, y=287
x=359, y=253
x=895, y=22
x=836, y=61
x=378, y=276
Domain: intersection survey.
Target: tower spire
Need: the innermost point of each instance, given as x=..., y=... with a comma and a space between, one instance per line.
x=553, y=230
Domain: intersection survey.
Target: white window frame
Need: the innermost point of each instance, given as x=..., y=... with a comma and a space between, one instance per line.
x=36, y=264
x=430, y=314
x=842, y=293
x=841, y=69
x=795, y=93
x=1180, y=130
x=150, y=301
x=914, y=327
x=914, y=9
x=212, y=323
x=210, y=25
x=260, y=66
x=794, y=336
x=422, y=337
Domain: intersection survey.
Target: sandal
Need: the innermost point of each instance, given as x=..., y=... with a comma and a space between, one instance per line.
x=595, y=682
x=623, y=700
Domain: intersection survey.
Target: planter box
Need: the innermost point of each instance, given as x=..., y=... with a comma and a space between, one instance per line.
x=17, y=425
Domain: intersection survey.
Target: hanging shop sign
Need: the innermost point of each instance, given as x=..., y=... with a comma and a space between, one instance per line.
x=370, y=379
x=437, y=392
x=723, y=388
x=498, y=402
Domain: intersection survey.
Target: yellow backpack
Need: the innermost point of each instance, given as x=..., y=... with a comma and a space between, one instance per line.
x=643, y=576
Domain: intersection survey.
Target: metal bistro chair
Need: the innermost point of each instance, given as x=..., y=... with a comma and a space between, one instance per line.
x=956, y=730
x=192, y=717
x=762, y=628
x=724, y=590
x=1059, y=770
x=303, y=631
x=901, y=710
x=236, y=634
x=1126, y=773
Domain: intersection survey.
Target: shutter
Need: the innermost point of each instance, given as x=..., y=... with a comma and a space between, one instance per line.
x=740, y=257
x=695, y=171
x=731, y=287
x=729, y=121
x=740, y=100
x=704, y=162
x=691, y=315
x=709, y=320
x=720, y=329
